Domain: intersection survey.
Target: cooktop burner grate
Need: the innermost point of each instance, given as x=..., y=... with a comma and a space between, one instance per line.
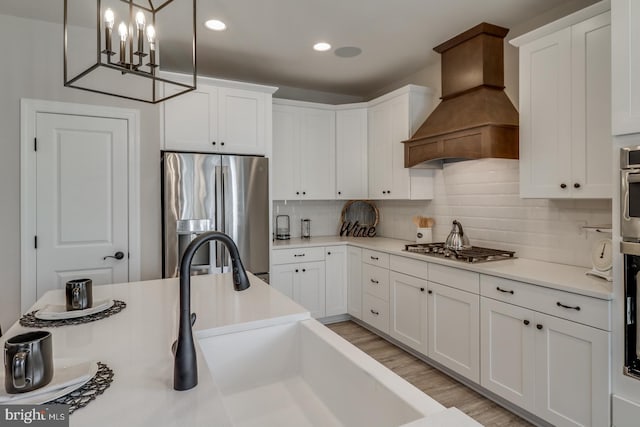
x=473, y=254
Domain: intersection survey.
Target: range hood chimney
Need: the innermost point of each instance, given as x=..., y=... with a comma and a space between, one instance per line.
x=475, y=119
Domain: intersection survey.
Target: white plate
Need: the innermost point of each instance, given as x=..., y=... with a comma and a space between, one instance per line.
x=59, y=312
x=68, y=375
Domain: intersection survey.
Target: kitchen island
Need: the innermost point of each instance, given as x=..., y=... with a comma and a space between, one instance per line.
x=136, y=343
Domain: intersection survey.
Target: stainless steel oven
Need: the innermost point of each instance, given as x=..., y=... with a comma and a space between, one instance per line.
x=630, y=194
x=631, y=254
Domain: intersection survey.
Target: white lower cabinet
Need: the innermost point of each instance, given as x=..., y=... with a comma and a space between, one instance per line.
x=408, y=321
x=507, y=342
x=336, y=280
x=302, y=282
x=454, y=334
x=552, y=367
x=354, y=281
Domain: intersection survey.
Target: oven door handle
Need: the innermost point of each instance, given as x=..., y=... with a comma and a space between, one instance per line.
x=630, y=248
x=633, y=176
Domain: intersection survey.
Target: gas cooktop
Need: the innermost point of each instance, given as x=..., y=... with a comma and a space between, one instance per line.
x=473, y=254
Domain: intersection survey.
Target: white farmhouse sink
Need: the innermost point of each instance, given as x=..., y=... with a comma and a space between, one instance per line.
x=303, y=374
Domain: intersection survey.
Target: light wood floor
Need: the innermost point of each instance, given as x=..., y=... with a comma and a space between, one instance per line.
x=439, y=386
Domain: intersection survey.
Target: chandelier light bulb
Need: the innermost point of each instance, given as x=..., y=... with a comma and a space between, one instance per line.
x=140, y=21
x=109, y=18
x=122, y=30
x=151, y=34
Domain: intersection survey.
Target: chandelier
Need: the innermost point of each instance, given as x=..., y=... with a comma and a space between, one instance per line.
x=113, y=47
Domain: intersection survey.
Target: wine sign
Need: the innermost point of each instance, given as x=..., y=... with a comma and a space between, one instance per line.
x=357, y=230
x=359, y=219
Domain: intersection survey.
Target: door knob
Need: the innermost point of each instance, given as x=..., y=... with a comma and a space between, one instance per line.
x=117, y=255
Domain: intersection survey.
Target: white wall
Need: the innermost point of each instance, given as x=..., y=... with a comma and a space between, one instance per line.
x=32, y=68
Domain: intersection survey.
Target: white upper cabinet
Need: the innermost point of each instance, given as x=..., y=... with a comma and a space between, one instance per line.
x=218, y=118
x=304, y=152
x=625, y=56
x=393, y=118
x=351, y=153
x=565, y=125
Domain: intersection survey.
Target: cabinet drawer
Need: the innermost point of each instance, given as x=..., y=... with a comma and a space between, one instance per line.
x=380, y=259
x=455, y=277
x=578, y=308
x=412, y=267
x=288, y=256
x=375, y=312
x=375, y=281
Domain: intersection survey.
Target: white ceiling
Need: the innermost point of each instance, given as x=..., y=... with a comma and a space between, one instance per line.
x=269, y=41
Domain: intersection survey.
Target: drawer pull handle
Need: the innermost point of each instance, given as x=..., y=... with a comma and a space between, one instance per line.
x=499, y=289
x=375, y=258
x=539, y=326
x=559, y=304
x=526, y=322
x=297, y=255
x=374, y=281
x=375, y=313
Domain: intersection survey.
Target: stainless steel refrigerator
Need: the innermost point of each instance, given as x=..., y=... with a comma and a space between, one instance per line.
x=202, y=192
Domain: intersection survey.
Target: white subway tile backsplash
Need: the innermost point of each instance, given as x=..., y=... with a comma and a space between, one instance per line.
x=484, y=196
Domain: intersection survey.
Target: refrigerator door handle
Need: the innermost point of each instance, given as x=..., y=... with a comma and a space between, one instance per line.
x=225, y=226
x=219, y=224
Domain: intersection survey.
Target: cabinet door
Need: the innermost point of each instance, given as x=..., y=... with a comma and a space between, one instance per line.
x=282, y=278
x=591, y=106
x=572, y=373
x=400, y=185
x=354, y=281
x=317, y=154
x=380, y=153
x=545, y=118
x=625, y=55
x=507, y=343
x=408, y=321
x=286, y=142
x=454, y=333
x=309, y=287
x=351, y=154
x=242, y=121
x=336, y=280
x=191, y=121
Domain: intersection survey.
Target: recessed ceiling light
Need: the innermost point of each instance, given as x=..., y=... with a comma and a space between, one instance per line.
x=215, y=24
x=322, y=46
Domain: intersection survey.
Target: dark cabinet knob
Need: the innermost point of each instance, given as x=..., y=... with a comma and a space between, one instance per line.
x=563, y=185
x=213, y=143
x=304, y=270
x=384, y=192
x=388, y=191
x=539, y=326
x=222, y=143
x=526, y=322
x=328, y=253
x=117, y=255
x=296, y=270
x=304, y=192
x=429, y=291
x=297, y=193
x=339, y=192
x=421, y=289
x=576, y=185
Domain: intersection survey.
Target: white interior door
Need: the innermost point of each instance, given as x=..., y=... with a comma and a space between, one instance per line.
x=81, y=200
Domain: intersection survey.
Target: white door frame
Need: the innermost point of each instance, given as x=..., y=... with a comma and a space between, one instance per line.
x=29, y=108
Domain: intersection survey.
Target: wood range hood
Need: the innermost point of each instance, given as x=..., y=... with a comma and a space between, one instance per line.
x=475, y=119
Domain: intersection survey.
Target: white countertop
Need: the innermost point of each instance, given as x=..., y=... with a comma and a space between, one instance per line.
x=551, y=275
x=136, y=343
